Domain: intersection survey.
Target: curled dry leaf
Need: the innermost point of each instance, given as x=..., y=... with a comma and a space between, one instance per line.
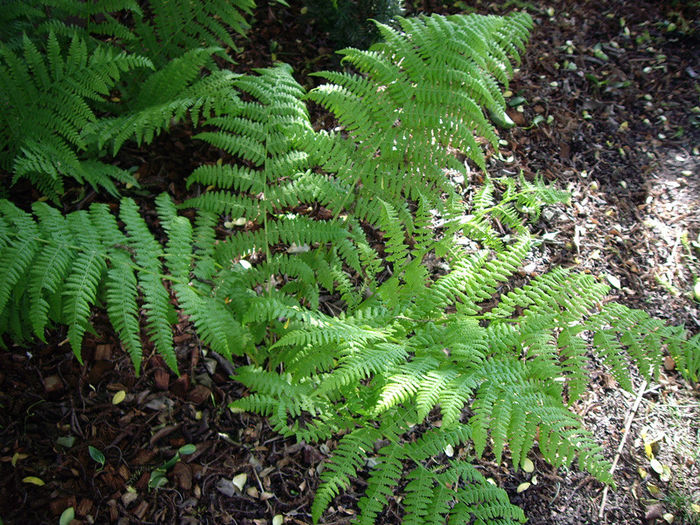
x=239, y=480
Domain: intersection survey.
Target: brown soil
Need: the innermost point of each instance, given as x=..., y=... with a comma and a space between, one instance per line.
x=616, y=85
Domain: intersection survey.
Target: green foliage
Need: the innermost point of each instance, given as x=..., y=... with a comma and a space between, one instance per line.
x=367, y=296
x=79, y=77
x=48, y=104
x=417, y=104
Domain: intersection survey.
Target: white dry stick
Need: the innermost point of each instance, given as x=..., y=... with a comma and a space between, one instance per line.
x=628, y=424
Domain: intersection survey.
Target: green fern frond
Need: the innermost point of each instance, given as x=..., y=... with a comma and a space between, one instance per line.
x=49, y=107
x=168, y=95
x=348, y=458
x=80, y=290
x=50, y=268
x=172, y=28
x=381, y=484
x=419, y=97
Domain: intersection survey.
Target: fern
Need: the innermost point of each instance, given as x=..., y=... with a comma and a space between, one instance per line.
x=172, y=93
x=430, y=323
x=48, y=105
x=516, y=367
x=139, y=79
x=419, y=100
x=265, y=131
x=171, y=29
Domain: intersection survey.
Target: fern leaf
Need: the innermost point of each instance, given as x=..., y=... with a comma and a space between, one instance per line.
x=80, y=292
x=156, y=298
x=347, y=459
x=122, y=308
x=381, y=484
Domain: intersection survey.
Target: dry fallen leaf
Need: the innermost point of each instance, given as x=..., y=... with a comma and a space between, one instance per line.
x=613, y=280
x=522, y=487
x=239, y=480
x=654, y=512
x=665, y=474
x=225, y=487
x=119, y=397
x=17, y=457
x=656, y=466
x=528, y=465
x=278, y=520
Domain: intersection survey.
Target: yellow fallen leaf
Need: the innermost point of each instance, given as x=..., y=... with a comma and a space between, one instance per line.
x=240, y=480
x=528, y=465
x=522, y=487
x=668, y=517
x=119, y=397
x=449, y=451
x=642, y=473
x=278, y=520
x=34, y=481
x=17, y=457
x=653, y=489
x=695, y=507
x=648, y=451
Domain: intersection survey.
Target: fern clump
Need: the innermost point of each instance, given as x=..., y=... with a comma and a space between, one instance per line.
x=507, y=375
x=367, y=296
x=48, y=105
x=68, y=110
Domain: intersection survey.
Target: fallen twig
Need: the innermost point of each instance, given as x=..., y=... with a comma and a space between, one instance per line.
x=628, y=424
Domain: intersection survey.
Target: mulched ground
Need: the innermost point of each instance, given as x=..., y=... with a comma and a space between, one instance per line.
x=615, y=85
